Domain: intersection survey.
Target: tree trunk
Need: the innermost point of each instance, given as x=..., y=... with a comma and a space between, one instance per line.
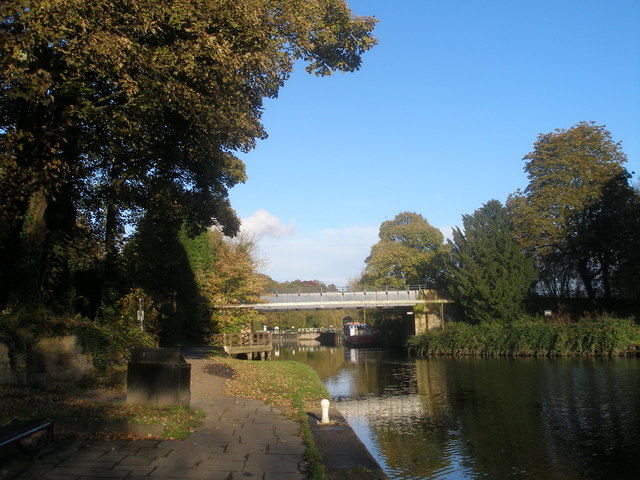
x=606, y=272
x=586, y=278
x=33, y=237
x=111, y=241
x=112, y=230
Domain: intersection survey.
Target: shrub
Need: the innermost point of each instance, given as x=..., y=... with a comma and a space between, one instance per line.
x=603, y=335
x=110, y=345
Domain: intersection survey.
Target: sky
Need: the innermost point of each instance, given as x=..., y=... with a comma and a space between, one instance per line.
x=435, y=122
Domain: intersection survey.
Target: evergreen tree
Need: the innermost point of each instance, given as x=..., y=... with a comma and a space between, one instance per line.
x=488, y=274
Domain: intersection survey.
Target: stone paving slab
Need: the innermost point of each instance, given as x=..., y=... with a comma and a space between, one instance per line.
x=283, y=476
x=238, y=439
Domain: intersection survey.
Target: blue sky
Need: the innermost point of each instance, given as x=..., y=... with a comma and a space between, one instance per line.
x=436, y=122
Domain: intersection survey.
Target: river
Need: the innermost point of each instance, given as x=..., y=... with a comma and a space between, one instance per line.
x=487, y=418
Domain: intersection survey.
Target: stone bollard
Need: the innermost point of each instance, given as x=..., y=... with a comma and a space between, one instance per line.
x=324, y=404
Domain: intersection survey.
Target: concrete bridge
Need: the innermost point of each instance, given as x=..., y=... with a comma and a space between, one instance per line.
x=338, y=300
x=344, y=300
x=352, y=299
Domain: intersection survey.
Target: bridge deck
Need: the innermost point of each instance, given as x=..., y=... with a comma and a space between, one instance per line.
x=343, y=300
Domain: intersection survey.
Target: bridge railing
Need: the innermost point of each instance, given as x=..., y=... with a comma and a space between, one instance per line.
x=250, y=339
x=352, y=296
x=344, y=300
x=318, y=330
x=251, y=344
x=334, y=289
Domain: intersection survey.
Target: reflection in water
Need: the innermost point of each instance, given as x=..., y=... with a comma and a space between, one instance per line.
x=472, y=418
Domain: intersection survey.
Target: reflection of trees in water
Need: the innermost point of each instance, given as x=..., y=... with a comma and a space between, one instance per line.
x=491, y=401
x=373, y=376
x=493, y=418
x=326, y=361
x=511, y=418
x=592, y=413
x=404, y=434
x=404, y=412
x=551, y=419
x=431, y=380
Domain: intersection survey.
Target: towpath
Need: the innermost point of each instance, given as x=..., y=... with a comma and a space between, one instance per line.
x=238, y=439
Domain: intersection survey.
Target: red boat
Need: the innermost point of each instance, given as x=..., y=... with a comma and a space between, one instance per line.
x=358, y=334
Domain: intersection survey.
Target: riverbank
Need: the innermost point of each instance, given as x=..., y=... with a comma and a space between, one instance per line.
x=343, y=455
x=603, y=336
x=237, y=437
x=251, y=417
x=333, y=451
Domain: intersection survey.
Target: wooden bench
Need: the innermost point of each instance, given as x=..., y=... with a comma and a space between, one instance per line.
x=25, y=435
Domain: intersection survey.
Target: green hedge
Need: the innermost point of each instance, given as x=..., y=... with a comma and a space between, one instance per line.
x=600, y=336
x=111, y=345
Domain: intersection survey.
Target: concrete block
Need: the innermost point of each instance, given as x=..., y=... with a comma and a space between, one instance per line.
x=158, y=376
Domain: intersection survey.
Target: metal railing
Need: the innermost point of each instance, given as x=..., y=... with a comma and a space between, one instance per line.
x=353, y=299
x=250, y=339
x=350, y=296
x=333, y=289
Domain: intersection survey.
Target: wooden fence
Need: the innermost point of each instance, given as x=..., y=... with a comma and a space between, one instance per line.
x=251, y=344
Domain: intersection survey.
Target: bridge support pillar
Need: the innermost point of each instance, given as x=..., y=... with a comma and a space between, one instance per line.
x=426, y=321
x=433, y=321
x=420, y=323
x=261, y=355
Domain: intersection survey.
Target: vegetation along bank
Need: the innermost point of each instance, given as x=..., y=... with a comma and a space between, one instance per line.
x=292, y=386
x=598, y=336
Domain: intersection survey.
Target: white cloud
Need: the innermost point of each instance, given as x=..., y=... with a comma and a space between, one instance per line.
x=447, y=232
x=263, y=224
x=329, y=255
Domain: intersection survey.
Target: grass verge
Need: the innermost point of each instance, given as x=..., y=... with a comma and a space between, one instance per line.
x=292, y=386
x=71, y=402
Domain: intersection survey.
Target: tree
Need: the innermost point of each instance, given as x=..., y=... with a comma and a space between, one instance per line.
x=300, y=286
x=232, y=277
x=609, y=235
x=570, y=172
x=171, y=283
x=228, y=278
x=405, y=253
x=200, y=276
x=627, y=275
x=488, y=274
x=114, y=110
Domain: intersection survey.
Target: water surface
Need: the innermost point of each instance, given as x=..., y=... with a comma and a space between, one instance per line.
x=489, y=418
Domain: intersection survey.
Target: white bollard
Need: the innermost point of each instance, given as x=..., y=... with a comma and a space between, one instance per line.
x=324, y=404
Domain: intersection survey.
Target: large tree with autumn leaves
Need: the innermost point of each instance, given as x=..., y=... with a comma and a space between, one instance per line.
x=578, y=217
x=114, y=111
x=407, y=253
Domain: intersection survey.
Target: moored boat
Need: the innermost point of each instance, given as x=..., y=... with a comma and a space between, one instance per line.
x=358, y=334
